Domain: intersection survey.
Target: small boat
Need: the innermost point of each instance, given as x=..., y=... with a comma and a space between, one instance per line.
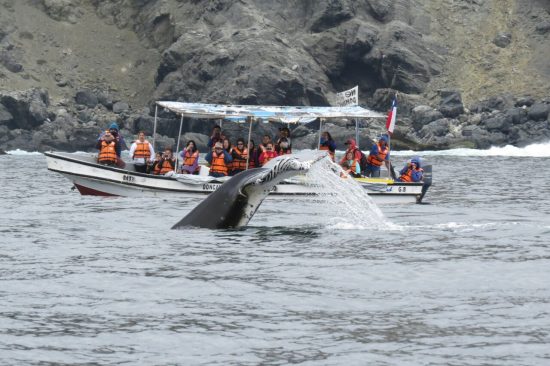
x=91, y=178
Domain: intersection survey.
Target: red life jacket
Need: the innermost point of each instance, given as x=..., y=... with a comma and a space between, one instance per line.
x=107, y=153
x=239, y=164
x=142, y=150
x=267, y=156
x=379, y=158
x=218, y=164
x=166, y=167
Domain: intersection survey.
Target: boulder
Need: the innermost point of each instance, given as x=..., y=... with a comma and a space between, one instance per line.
x=543, y=27
x=524, y=101
x=494, y=103
x=28, y=108
x=497, y=123
x=86, y=97
x=335, y=13
x=516, y=116
x=440, y=127
x=451, y=103
x=423, y=115
x=538, y=111
x=503, y=39
x=120, y=107
x=6, y=117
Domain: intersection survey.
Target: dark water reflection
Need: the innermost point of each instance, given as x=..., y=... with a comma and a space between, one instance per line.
x=462, y=280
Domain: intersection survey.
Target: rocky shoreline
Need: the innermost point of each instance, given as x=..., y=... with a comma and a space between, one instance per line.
x=28, y=121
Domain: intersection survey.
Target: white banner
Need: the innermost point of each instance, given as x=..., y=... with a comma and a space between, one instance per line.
x=348, y=97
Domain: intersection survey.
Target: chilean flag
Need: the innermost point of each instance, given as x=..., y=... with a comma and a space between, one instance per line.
x=392, y=114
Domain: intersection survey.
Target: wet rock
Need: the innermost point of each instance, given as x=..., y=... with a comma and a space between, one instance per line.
x=2, y=152
x=497, y=123
x=516, y=116
x=29, y=108
x=440, y=127
x=524, y=101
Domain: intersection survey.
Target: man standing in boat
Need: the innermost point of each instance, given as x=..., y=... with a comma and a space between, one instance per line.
x=379, y=154
x=119, y=142
x=141, y=152
x=219, y=160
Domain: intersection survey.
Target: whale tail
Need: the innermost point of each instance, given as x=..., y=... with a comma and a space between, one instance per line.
x=236, y=201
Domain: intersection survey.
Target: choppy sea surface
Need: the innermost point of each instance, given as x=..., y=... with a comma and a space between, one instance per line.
x=463, y=280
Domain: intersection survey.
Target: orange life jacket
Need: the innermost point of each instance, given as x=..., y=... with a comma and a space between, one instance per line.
x=330, y=153
x=218, y=164
x=142, y=150
x=267, y=156
x=189, y=157
x=379, y=158
x=285, y=152
x=407, y=176
x=107, y=153
x=156, y=169
x=239, y=164
x=166, y=167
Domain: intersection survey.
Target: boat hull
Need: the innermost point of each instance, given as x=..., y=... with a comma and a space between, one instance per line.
x=91, y=178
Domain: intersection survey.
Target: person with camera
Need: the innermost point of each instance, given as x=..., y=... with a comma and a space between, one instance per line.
x=216, y=136
x=267, y=155
x=167, y=162
x=412, y=172
x=219, y=160
x=107, y=149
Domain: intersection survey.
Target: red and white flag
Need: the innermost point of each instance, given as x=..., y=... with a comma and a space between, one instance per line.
x=392, y=115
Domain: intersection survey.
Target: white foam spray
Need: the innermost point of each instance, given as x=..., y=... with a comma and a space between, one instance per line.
x=345, y=202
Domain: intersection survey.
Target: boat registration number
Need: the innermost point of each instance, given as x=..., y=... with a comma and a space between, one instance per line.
x=399, y=189
x=128, y=178
x=210, y=187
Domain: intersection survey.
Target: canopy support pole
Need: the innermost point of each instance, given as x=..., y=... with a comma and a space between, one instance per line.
x=155, y=127
x=178, y=145
x=357, y=132
x=249, y=119
x=320, y=133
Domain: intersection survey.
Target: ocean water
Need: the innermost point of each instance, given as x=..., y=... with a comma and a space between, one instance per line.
x=461, y=280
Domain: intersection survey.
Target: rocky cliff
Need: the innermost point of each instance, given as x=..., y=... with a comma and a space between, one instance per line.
x=469, y=73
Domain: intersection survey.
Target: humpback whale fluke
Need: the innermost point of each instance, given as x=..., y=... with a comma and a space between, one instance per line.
x=234, y=203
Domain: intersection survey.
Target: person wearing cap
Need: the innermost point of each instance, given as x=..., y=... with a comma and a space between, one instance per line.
x=142, y=153
x=219, y=160
x=119, y=140
x=283, y=144
x=351, y=146
x=379, y=154
x=412, y=172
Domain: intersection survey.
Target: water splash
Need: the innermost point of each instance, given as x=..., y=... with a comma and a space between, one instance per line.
x=345, y=202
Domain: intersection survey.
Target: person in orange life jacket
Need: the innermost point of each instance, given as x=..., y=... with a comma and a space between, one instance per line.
x=219, y=160
x=412, y=172
x=351, y=147
x=379, y=154
x=239, y=154
x=107, y=149
x=121, y=144
x=265, y=140
x=141, y=152
x=226, y=144
x=155, y=167
x=351, y=165
x=190, y=158
x=167, y=162
x=328, y=144
x=254, y=155
x=284, y=147
x=215, y=137
x=267, y=155
x=284, y=135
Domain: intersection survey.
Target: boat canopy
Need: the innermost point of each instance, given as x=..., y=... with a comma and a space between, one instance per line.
x=284, y=114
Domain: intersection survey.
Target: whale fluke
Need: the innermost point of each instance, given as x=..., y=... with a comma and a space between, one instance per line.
x=234, y=203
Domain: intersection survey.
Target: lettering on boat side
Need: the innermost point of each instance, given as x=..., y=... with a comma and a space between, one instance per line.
x=402, y=189
x=128, y=178
x=210, y=187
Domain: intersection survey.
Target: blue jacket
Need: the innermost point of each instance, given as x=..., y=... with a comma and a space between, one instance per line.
x=329, y=143
x=227, y=158
x=416, y=174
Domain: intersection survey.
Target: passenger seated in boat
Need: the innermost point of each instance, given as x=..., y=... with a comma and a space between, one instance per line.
x=226, y=143
x=107, y=149
x=351, y=165
x=265, y=140
x=219, y=161
x=328, y=144
x=284, y=147
x=141, y=152
x=254, y=155
x=190, y=158
x=215, y=136
x=284, y=135
x=379, y=154
x=351, y=146
x=154, y=168
x=167, y=162
x=267, y=155
x=412, y=172
x=239, y=154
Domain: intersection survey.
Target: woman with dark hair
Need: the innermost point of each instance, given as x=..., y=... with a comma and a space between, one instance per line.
x=328, y=144
x=226, y=143
x=239, y=154
x=253, y=155
x=190, y=158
